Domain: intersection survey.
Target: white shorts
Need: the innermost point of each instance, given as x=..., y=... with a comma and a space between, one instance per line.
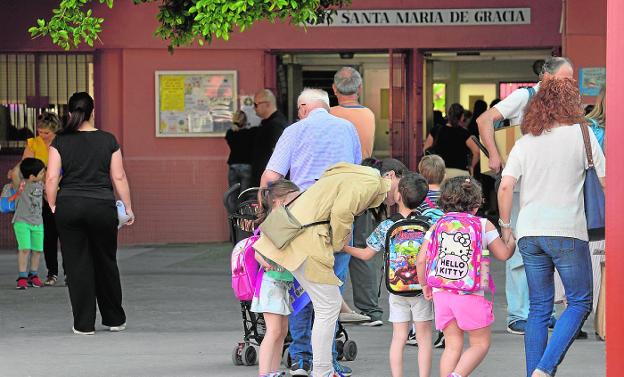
x=406, y=309
x=273, y=298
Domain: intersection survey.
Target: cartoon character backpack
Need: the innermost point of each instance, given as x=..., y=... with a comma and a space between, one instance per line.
x=454, y=256
x=403, y=241
x=245, y=268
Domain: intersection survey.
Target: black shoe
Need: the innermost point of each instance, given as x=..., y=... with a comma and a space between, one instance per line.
x=300, y=368
x=581, y=335
x=439, y=342
x=411, y=339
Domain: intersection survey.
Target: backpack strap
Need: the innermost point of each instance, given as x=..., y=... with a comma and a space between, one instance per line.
x=429, y=202
x=531, y=91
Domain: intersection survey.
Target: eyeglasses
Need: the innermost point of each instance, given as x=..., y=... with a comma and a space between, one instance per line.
x=256, y=104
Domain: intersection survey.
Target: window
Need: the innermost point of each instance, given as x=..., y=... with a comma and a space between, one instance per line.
x=31, y=83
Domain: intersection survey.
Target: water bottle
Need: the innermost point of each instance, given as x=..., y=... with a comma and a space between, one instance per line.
x=485, y=269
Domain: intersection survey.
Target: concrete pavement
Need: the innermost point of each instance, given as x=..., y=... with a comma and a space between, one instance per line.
x=183, y=320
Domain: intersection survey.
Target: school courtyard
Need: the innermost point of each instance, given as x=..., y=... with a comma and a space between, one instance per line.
x=183, y=320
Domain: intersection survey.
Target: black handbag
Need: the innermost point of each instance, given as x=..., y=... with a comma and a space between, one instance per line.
x=593, y=194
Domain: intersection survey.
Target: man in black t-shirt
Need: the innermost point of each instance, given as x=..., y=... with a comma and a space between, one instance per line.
x=271, y=127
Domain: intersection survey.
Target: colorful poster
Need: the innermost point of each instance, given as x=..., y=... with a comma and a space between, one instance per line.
x=195, y=103
x=172, y=93
x=591, y=80
x=439, y=97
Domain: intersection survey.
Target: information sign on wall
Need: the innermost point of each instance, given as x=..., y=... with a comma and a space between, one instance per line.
x=194, y=103
x=431, y=17
x=591, y=80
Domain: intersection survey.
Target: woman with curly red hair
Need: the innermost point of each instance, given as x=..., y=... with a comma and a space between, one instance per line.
x=550, y=160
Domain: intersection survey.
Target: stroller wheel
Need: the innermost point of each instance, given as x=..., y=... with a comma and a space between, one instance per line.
x=340, y=347
x=350, y=350
x=236, y=356
x=250, y=356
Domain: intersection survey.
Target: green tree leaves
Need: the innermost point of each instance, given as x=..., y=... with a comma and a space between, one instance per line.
x=182, y=22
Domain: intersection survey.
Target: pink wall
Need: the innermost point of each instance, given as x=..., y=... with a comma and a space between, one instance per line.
x=130, y=26
x=585, y=35
x=615, y=184
x=177, y=183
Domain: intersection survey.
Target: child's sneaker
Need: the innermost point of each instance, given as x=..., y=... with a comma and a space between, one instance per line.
x=35, y=282
x=22, y=283
x=439, y=342
x=411, y=339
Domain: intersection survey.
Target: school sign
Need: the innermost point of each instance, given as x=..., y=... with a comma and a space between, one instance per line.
x=431, y=17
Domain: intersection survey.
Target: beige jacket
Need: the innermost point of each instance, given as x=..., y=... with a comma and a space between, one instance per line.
x=342, y=192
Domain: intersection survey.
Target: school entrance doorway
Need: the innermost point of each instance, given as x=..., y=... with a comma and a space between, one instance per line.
x=465, y=77
x=296, y=71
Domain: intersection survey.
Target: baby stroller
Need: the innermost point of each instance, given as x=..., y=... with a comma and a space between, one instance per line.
x=242, y=209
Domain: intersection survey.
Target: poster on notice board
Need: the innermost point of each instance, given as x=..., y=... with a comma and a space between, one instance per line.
x=591, y=80
x=194, y=103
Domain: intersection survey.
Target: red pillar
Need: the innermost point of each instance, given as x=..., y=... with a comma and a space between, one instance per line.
x=615, y=187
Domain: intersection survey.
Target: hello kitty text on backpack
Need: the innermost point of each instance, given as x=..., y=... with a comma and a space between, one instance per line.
x=454, y=255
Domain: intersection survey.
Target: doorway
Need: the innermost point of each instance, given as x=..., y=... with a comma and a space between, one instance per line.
x=467, y=76
x=316, y=70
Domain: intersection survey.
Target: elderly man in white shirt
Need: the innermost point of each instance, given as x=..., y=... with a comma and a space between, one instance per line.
x=512, y=108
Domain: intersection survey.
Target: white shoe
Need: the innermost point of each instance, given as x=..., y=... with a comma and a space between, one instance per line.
x=83, y=332
x=376, y=323
x=119, y=328
x=353, y=317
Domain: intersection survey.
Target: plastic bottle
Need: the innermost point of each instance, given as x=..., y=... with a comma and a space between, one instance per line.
x=485, y=269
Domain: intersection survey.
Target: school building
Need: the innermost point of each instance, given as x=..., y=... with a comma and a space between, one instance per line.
x=414, y=56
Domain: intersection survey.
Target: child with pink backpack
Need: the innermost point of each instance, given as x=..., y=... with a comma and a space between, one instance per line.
x=454, y=272
x=272, y=298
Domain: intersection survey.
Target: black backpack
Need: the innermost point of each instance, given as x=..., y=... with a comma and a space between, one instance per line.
x=403, y=241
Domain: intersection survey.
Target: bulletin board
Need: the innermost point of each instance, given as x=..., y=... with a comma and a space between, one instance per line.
x=194, y=103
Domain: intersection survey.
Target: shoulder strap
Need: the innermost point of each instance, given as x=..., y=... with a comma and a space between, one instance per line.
x=429, y=202
x=531, y=91
x=588, y=151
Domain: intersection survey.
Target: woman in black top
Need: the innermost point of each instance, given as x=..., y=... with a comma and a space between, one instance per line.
x=240, y=139
x=88, y=163
x=454, y=145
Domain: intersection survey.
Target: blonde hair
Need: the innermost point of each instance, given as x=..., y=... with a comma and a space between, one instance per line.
x=599, y=112
x=432, y=167
x=49, y=121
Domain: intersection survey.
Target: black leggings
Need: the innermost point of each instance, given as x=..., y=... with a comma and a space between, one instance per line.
x=50, y=240
x=88, y=232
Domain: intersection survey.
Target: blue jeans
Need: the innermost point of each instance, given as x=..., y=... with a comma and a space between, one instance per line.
x=571, y=258
x=516, y=285
x=300, y=324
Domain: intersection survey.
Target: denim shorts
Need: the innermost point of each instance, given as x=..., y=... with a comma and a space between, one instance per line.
x=273, y=297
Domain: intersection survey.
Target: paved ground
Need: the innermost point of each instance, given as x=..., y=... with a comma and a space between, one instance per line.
x=183, y=320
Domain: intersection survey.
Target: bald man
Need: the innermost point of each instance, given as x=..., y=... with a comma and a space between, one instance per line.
x=271, y=127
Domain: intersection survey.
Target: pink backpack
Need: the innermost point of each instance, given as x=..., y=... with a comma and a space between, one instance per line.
x=245, y=268
x=455, y=254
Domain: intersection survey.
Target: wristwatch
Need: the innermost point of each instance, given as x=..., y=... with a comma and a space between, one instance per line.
x=502, y=224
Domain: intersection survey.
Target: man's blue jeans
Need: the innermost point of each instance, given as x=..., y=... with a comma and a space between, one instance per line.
x=300, y=325
x=570, y=256
x=516, y=286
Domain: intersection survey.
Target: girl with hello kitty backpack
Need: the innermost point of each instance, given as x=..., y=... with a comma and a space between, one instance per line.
x=454, y=272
